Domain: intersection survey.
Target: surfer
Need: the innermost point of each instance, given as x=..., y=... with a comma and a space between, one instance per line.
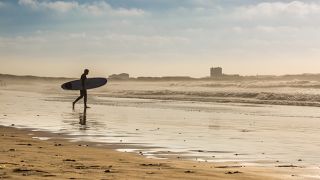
x=83, y=91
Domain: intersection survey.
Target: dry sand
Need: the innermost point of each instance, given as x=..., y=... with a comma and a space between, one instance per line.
x=24, y=157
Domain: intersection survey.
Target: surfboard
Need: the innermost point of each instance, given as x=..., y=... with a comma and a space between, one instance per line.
x=91, y=83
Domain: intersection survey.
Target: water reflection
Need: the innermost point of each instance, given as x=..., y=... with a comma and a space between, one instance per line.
x=83, y=117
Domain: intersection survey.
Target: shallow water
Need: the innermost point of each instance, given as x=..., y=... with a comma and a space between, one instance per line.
x=205, y=131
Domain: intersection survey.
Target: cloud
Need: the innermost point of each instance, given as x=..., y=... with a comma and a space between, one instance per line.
x=61, y=6
x=147, y=40
x=81, y=35
x=101, y=7
x=94, y=8
x=268, y=29
x=129, y=12
x=2, y=4
x=21, y=41
x=30, y=3
x=276, y=9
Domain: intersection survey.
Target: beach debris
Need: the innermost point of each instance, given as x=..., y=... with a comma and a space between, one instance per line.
x=228, y=166
x=4, y=115
x=299, y=159
x=81, y=167
x=233, y=172
x=284, y=166
x=12, y=124
x=245, y=130
x=12, y=149
x=70, y=160
x=57, y=144
x=22, y=144
x=48, y=175
x=83, y=145
x=188, y=171
x=86, y=167
x=150, y=173
x=155, y=129
x=15, y=164
x=137, y=129
x=109, y=170
x=23, y=170
x=237, y=154
x=151, y=164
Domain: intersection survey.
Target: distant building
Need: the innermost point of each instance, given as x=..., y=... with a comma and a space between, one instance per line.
x=122, y=76
x=215, y=72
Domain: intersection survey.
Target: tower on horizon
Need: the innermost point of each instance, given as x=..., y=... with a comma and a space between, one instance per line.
x=215, y=72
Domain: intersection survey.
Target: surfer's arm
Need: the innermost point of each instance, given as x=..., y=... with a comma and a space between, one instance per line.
x=83, y=80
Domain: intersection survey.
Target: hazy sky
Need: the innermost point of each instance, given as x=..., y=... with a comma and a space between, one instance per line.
x=159, y=37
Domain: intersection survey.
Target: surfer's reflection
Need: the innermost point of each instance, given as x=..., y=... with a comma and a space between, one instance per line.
x=83, y=117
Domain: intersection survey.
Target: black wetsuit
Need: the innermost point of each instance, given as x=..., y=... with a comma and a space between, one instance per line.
x=83, y=92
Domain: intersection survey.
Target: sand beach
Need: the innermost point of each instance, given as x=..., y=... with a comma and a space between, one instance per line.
x=24, y=157
x=130, y=135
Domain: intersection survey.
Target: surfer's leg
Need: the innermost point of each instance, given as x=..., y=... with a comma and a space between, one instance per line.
x=85, y=99
x=74, y=102
x=77, y=99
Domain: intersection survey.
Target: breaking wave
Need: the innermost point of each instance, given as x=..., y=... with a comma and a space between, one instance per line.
x=298, y=99
x=266, y=84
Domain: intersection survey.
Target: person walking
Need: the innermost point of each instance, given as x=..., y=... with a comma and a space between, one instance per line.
x=83, y=91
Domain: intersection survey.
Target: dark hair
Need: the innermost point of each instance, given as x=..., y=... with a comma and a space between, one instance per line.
x=86, y=70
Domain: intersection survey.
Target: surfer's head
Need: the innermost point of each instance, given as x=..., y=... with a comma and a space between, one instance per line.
x=86, y=71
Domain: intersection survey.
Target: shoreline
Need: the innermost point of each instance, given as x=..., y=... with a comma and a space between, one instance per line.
x=25, y=157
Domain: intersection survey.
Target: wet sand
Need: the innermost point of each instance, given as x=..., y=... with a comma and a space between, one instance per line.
x=23, y=157
x=286, y=152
